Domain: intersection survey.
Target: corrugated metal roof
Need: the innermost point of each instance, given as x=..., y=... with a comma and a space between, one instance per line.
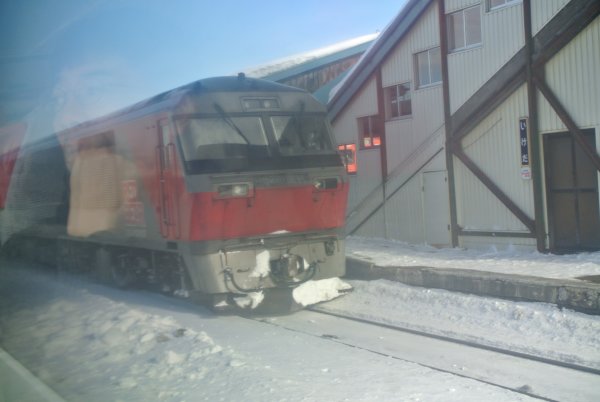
x=322, y=94
x=375, y=55
x=318, y=63
x=303, y=63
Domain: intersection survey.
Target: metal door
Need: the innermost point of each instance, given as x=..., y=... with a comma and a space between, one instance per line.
x=436, y=208
x=572, y=194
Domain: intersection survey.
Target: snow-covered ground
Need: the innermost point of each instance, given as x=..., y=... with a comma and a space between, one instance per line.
x=506, y=261
x=94, y=343
x=533, y=328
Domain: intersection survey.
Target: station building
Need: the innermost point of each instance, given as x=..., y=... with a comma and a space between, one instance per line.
x=317, y=71
x=473, y=123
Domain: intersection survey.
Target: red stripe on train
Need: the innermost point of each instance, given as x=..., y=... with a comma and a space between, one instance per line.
x=270, y=210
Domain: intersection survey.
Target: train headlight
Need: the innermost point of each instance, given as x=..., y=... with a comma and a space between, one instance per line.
x=288, y=267
x=234, y=190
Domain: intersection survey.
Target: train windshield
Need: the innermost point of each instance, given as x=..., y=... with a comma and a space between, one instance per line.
x=216, y=138
x=236, y=143
x=301, y=134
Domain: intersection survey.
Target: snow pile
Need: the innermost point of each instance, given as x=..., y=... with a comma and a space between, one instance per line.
x=251, y=300
x=83, y=344
x=509, y=261
x=533, y=328
x=93, y=343
x=262, y=268
x=313, y=292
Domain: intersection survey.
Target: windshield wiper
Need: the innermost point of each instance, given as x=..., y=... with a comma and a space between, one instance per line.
x=227, y=119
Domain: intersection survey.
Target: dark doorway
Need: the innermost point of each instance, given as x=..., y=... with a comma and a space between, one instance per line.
x=572, y=191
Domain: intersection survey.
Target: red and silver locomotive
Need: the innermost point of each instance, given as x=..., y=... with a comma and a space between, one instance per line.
x=224, y=186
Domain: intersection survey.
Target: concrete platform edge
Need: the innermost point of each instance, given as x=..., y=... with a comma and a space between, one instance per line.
x=572, y=294
x=19, y=384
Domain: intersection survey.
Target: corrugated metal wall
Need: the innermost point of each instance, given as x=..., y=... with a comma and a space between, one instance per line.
x=494, y=146
x=404, y=213
x=374, y=227
x=573, y=76
x=402, y=217
x=542, y=11
x=346, y=132
x=455, y=5
x=405, y=210
x=405, y=135
x=398, y=67
x=502, y=37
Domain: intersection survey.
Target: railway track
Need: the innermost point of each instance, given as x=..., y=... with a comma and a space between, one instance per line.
x=533, y=376
x=545, y=360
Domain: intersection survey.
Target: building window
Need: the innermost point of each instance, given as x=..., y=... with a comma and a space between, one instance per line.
x=494, y=4
x=429, y=67
x=464, y=29
x=370, y=130
x=397, y=101
x=348, y=154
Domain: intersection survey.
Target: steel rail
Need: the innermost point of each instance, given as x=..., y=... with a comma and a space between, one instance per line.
x=521, y=355
x=333, y=338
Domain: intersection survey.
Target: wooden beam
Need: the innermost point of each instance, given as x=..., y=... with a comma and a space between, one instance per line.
x=498, y=193
x=573, y=18
x=483, y=233
x=555, y=35
x=495, y=91
x=389, y=196
x=376, y=55
x=454, y=229
x=521, y=69
x=381, y=119
x=535, y=149
x=568, y=121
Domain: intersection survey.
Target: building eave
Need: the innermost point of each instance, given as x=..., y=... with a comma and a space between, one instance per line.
x=375, y=55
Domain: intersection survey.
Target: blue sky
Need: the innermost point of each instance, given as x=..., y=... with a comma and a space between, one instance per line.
x=142, y=47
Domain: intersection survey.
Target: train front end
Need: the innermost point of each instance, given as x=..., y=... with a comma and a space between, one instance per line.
x=266, y=189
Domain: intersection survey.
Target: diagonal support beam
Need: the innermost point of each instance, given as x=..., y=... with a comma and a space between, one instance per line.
x=520, y=69
x=573, y=18
x=554, y=36
x=567, y=120
x=489, y=183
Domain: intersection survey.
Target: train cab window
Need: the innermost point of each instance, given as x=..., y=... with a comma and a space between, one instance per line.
x=301, y=135
x=222, y=138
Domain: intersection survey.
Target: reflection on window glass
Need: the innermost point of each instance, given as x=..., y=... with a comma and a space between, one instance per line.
x=398, y=101
x=464, y=28
x=472, y=26
x=429, y=67
x=456, y=31
x=300, y=135
x=348, y=155
x=220, y=138
x=370, y=129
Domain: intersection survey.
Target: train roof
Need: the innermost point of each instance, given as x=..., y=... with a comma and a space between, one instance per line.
x=171, y=98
